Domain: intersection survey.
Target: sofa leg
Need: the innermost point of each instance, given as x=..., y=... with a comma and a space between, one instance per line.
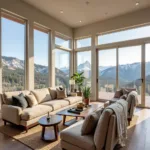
x=129, y=120
x=26, y=128
x=5, y=122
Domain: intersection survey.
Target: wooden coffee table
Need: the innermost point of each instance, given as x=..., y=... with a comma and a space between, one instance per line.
x=93, y=107
x=54, y=121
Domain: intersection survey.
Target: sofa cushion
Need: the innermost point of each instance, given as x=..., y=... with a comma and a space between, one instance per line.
x=56, y=104
x=35, y=111
x=74, y=99
x=118, y=94
x=8, y=96
x=61, y=93
x=32, y=101
x=53, y=92
x=90, y=122
x=124, y=96
x=102, y=128
x=125, y=91
x=42, y=95
x=20, y=101
x=72, y=135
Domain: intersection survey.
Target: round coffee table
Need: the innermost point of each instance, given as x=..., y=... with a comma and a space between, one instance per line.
x=54, y=121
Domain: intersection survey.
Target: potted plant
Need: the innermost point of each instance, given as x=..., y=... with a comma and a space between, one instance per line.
x=79, y=79
x=86, y=95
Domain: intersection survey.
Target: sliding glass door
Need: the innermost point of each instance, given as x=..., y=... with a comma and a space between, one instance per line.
x=129, y=68
x=119, y=68
x=107, y=73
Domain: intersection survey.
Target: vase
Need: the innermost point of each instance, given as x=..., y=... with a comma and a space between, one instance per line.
x=86, y=101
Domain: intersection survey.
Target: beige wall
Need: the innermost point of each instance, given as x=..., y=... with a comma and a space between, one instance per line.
x=124, y=21
x=33, y=15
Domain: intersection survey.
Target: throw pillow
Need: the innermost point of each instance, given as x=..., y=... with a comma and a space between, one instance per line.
x=31, y=100
x=118, y=94
x=53, y=92
x=90, y=122
x=125, y=91
x=124, y=96
x=19, y=101
x=61, y=93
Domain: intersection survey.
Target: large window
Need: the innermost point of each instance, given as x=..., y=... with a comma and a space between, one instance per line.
x=13, y=53
x=65, y=43
x=62, y=68
x=41, y=47
x=84, y=65
x=86, y=42
x=130, y=34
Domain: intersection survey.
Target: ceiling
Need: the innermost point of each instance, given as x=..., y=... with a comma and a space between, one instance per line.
x=77, y=13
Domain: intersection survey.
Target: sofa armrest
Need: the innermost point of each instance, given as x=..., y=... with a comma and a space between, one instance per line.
x=132, y=100
x=112, y=139
x=73, y=94
x=11, y=113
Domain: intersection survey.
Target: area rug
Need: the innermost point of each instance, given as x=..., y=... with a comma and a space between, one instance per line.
x=32, y=138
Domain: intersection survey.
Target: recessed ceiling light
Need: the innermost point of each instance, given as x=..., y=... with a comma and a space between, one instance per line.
x=61, y=12
x=137, y=3
x=80, y=21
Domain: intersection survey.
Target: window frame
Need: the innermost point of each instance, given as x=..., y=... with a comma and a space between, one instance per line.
x=41, y=28
x=70, y=50
x=83, y=48
x=63, y=37
x=70, y=62
x=76, y=60
x=21, y=20
x=145, y=39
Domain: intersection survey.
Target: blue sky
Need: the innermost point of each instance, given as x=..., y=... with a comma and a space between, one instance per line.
x=13, y=45
x=41, y=48
x=12, y=39
x=83, y=57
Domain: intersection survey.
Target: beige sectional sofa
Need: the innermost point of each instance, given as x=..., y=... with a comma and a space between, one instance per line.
x=132, y=99
x=105, y=139
x=46, y=102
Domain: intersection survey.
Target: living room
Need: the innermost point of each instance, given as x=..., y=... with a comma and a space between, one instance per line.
x=66, y=66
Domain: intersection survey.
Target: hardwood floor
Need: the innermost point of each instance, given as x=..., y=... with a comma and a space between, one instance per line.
x=7, y=143
x=139, y=131
x=138, y=135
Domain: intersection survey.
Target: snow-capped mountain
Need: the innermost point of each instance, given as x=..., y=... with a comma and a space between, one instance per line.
x=127, y=72
x=12, y=63
x=84, y=66
x=15, y=63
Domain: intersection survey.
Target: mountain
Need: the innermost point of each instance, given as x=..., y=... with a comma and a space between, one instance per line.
x=13, y=75
x=127, y=72
x=15, y=63
x=12, y=63
x=86, y=66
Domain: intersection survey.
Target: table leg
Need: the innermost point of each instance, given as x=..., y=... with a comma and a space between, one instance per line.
x=43, y=132
x=57, y=128
x=64, y=120
x=56, y=131
x=76, y=118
